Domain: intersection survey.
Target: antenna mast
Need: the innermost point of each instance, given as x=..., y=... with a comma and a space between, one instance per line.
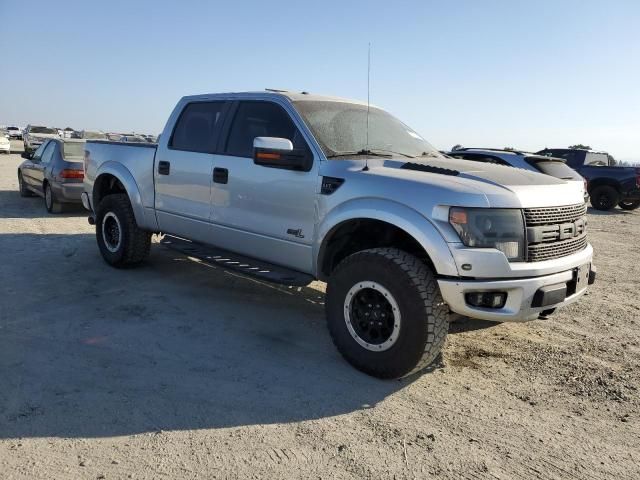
x=366, y=160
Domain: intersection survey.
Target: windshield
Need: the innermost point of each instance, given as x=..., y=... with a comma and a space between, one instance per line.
x=13, y=128
x=341, y=129
x=42, y=130
x=73, y=149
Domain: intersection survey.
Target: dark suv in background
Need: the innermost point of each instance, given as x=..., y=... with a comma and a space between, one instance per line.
x=607, y=184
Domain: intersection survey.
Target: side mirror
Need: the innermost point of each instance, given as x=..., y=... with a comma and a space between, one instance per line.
x=276, y=152
x=27, y=155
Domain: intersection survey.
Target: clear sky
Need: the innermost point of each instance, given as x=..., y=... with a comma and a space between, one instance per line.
x=525, y=74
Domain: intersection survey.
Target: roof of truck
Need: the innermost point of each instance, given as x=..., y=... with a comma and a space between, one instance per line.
x=292, y=96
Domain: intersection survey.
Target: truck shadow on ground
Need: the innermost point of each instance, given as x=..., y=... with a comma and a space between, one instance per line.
x=15, y=206
x=90, y=351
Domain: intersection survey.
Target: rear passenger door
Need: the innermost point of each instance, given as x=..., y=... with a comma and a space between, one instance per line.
x=263, y=212
x=183, y=171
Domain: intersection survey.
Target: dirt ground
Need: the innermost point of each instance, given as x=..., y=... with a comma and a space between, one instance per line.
x=180, y=370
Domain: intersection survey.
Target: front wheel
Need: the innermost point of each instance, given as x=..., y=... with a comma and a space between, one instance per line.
x=24, y=190
x=385, y=312
x=122, y=243
x=604, y=198
x=629, y=205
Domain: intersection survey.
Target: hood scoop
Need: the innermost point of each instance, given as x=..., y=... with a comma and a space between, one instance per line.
x=421, y=167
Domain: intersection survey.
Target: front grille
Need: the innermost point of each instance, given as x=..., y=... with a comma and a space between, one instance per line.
x=547, y=251
x=553, y=215
x=555, y=232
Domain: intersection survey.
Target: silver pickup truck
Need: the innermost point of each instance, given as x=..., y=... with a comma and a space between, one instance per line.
x=292, y=187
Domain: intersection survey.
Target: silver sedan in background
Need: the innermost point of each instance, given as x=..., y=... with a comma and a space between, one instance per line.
x=55, y=171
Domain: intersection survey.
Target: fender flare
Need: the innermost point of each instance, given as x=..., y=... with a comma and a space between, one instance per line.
x=124, y=176
x=397, y=214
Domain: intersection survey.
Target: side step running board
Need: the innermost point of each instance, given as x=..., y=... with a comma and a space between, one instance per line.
x=238, y=263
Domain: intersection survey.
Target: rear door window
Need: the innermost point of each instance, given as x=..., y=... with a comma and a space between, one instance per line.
x=198, y=127
x=260, y=119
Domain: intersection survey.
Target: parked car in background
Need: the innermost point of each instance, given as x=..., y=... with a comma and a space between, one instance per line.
x=5, y=143
x=14, y=132
x=35, y=135
x=68, y=132
x=113, y=137
x=132, y=138
x=55, y=171
x=556, y=167
x=607, y=184
x=282, y=186
x=93, y=135
x=150, y=138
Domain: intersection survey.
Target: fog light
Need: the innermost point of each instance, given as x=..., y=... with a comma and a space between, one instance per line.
x=486, y=299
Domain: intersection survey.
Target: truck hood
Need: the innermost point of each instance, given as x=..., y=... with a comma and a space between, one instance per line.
x=430, y=182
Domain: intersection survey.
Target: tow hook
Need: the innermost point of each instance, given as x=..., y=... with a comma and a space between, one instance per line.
x=91, y=219
x=545, y=314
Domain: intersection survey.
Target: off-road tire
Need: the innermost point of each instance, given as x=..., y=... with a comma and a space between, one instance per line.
x=135, y=243
x=424, y=315
x=24, y=190
x=629, y=205
x=604, y=198
x=50, y=202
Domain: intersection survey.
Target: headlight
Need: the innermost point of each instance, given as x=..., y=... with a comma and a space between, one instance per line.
x=499, y=228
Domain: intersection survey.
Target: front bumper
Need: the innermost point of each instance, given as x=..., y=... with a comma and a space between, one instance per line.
x=522, y=294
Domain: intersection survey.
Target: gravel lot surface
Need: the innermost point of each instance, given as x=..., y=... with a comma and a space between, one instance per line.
x=180, y=370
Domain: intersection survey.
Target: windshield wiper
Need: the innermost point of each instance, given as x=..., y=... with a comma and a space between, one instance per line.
x=359, y=152
x=395, y=153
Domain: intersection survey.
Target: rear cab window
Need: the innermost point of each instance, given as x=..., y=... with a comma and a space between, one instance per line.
x=597, y=159
x=260, y=119
x=198, y=127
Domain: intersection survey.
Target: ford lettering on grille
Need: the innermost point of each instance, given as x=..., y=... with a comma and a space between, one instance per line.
x=554, y=232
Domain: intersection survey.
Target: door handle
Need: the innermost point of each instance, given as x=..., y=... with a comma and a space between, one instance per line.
x=164, y=167
x=220, y=175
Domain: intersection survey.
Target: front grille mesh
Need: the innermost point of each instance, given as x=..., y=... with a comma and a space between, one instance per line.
x=547, y=250
x=553, y=215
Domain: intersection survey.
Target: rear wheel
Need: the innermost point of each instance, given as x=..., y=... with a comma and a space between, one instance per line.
x=24, y=191
x=50, y=201
x=604, y=197
x=385, y=312
x=629, y=205
x=122, y=243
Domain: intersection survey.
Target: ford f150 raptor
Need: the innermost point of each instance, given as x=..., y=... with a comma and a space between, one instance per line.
x=292, y=187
